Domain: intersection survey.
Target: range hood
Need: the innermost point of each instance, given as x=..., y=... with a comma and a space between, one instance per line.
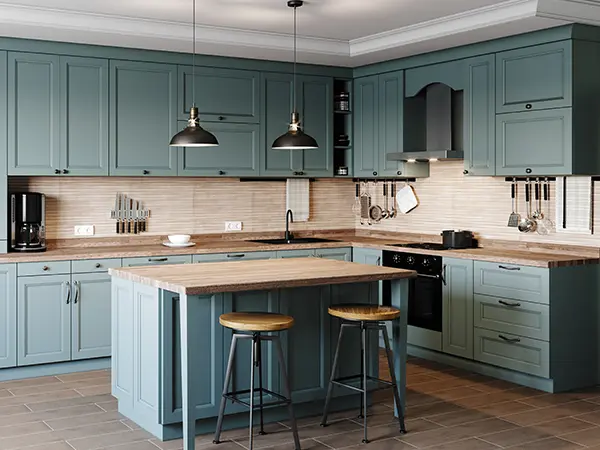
x=433, y=125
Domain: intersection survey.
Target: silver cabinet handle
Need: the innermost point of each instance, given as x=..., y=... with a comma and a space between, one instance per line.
x=508, y=268
x=68, y=285
x=77, y=285
x=512, y=305
x=237, y=255
x=45, y=268
x=157, y=259
x=443, y=274
x=378, y=263
x=98, y=265
x=511, y=340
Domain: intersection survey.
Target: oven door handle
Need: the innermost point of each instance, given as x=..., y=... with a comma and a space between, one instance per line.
x=434, y=277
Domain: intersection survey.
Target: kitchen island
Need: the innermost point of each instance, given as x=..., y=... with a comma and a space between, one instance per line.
x=169, y=350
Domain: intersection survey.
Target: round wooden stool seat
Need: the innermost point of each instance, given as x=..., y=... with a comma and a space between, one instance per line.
x=367, y=313
x=256, y=321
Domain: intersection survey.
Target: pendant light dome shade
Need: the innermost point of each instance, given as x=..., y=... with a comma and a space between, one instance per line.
x=194, y=135
x=295, y=138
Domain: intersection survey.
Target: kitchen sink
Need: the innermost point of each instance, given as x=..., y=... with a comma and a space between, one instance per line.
x=307, y=240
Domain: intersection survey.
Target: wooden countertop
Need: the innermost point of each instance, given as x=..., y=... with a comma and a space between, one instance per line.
x=235, y=276
x=500, y=255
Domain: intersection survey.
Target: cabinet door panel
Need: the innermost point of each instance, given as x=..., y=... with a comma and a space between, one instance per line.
x=317, y=121
x=533, y=78
x=33, y=114
x=480, y=151
x=391, y=121
x=221, y=94
x=91, y=316
x=3, y=148
x=534, y=143
x=143, y=118
x=339, y=254
x=236, y=155
x=44, y=319
x=84, y=116
x=366, y=131
x=276, y=106
x=8, y=315
x=457, y=308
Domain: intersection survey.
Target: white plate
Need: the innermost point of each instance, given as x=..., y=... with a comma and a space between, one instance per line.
x=170, y=244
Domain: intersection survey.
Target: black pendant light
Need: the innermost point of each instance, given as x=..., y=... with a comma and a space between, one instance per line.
x=194, y=135
x=295, y=138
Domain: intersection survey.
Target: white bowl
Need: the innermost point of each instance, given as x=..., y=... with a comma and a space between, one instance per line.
x=179, y=238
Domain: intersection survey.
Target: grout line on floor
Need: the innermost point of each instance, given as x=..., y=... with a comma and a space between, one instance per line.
x=487, y=442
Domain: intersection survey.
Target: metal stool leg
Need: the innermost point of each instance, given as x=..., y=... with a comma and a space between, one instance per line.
x=361, y=414
x=389, y=355
x=363, y=330
x=225, y=389
x=332, y=376
x=287, y=391
x=260, y=383
x=252, y=359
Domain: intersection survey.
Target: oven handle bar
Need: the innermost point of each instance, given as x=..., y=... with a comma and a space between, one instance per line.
x=434, y=277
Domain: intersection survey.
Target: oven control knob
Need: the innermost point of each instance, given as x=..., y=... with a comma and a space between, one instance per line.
x=410, y=260
x=397, y=258
x=426, y=262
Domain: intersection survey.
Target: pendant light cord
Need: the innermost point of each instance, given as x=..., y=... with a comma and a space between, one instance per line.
x=295, y=8
x=194, y=55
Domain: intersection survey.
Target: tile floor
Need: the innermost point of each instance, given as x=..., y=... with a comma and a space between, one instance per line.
x=447, y=409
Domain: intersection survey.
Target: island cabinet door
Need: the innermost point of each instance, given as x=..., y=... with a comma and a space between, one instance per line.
x=208, y=358
x=8, y=315
x=340, y=254
x=307, y=346
x=457, y=308
x=264, y=301
x=90, y=316
x=44, y=319
x=349, y=359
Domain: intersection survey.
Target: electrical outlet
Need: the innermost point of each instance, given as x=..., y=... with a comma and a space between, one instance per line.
x=233, y=226
x=84, y=230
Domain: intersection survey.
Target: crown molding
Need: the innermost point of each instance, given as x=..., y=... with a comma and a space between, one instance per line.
x=579, y=11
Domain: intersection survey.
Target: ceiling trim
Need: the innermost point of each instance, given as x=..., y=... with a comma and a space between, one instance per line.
x=580, y=11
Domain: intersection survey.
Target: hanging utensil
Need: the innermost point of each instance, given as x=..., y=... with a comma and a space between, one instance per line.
x=514, y=218
x=547, y=218
x=538, y=214
x=365, y=204
x=385, y=212
x=116, y=212
x=356, y=204
x=375, y=211
x=393, y=211
x=527, y=225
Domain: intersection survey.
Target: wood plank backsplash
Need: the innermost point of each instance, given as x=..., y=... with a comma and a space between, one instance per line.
x=185, y=205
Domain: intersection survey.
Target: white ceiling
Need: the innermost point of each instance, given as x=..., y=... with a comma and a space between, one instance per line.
x=338, y=32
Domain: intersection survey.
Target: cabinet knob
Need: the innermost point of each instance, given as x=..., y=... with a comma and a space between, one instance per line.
x=221, y=172
x=65, y=171
x=57, y=171
x=299, y=173
x=374, y=174
x=45, y=268
x=399, y=172
x=221, y=118
x=146, y=172
x=98, y=265
x=528, y=106
x=465, y=172
x=528, y=170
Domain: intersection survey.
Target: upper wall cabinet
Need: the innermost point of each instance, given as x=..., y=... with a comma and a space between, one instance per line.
x=533, y=78
x=222, y=95
x=378, y=127
x=3, y=149
x=236, y=156
x=69, y=98
x=143, y=118
x=314, y=101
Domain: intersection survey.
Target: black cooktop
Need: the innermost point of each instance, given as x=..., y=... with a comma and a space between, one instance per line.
x=422, y=245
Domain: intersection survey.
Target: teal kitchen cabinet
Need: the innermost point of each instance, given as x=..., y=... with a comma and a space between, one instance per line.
x=340, y=254
x=44, y=319
x=8, y=315
x=480, y=117
x=239, y=256
x=83, y=116
x=3, y=150
x=236, y=156
x=90, y=329
x=33, y=114
x=368, y=256
x=537, y=143
x=533, y=78
x=296, y=253
x=157, y=260
x=222, y=95
x=143, y=118
x=314, y=101
x=378, y=127
x=457, y=308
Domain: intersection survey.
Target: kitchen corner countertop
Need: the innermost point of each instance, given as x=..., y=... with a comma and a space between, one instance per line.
x=235, y=276
x=506, y=255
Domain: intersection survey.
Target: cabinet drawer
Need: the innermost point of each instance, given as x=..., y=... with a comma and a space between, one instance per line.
x=512, y=352
x=43, y=268
x=156, y=260
x=510, y=281
x=509, y=316
x=238, y=256
x=95, y=265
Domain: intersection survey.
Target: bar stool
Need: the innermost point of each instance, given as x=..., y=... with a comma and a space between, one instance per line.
x=250, y=325
x=365, y=317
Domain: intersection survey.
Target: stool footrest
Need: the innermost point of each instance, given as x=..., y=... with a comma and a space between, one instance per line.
x=235, y=397
x=341, y=382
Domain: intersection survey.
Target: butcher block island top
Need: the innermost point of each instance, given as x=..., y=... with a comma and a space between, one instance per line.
x=236, y=276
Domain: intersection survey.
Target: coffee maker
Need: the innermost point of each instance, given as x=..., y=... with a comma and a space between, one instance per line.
x=28, y=222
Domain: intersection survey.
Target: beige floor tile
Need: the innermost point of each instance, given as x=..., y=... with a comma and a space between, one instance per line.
x=28, y=416
x=555, y=399
x=142, y=445
x=593, y=417
x=459, y=417
x=333, y=427
x=109, y=440
x=517, y=436
x=384, y=444
x=414, y=398
x=28, y=382
x=131, y=424
x=562, y=426
x=94, y=390
x=456, y=393
x=65, y=403
x=202, y=442
x=548, y=444
x=441, y=385
x=496, y=386
x=505, y=408
x=5, y=393
x=112, y=405
x=589, y=437
x=37, y=398
x=466, y=444
x=10, y=410
x=60, y=445
x=421, y=378
x=498, y=397
x=306, y=444
x=431, y=409
x=24, y=428
x=82, y=420
x=82, y=375
x=332, y=417
x=375, y=434
x=90, y=382
x=552, y=413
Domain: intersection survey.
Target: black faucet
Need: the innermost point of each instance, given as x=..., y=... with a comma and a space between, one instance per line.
x=289, y=217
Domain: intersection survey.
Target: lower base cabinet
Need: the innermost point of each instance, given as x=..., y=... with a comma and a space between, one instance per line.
x=457, y=307
x=8, y=315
